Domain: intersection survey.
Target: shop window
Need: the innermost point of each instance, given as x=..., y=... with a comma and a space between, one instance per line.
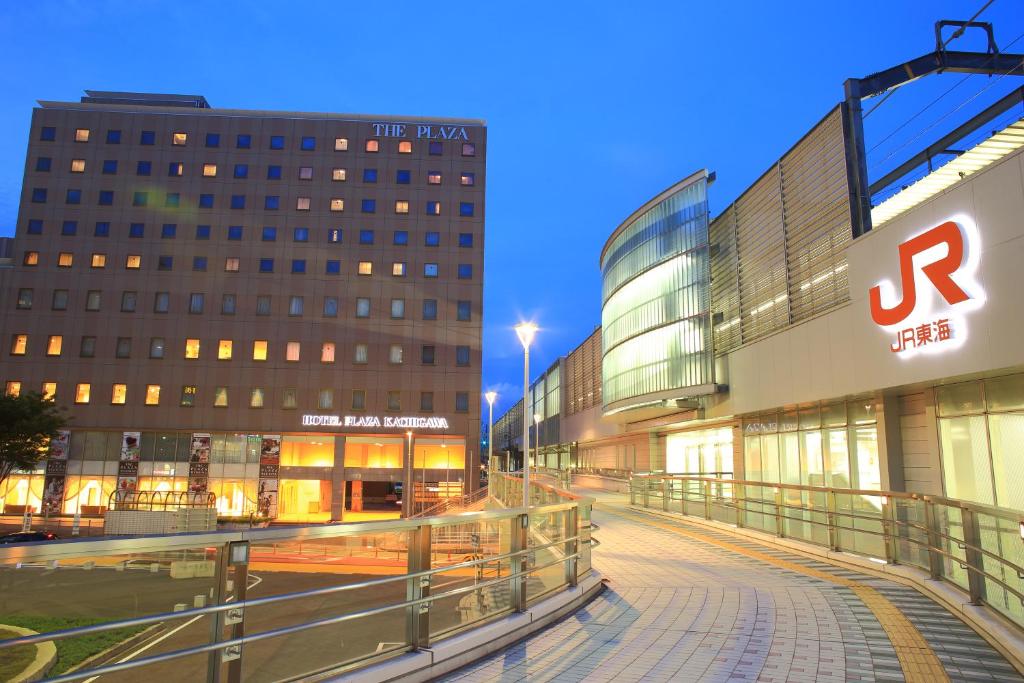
x=440, y=454
x=307, y=451
x=376, y=453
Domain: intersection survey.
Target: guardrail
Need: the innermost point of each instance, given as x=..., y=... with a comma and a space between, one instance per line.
x=455, y=503
x=291, y=602
x=978, y=548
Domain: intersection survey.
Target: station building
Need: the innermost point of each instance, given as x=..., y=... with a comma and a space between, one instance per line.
x=808, y=334
x=277, y=308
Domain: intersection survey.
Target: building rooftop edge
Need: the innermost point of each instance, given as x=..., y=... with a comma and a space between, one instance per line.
x=265, y=113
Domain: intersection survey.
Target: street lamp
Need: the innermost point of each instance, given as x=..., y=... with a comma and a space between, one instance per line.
x=490, y=396
x=526, y=331
x=407, y=495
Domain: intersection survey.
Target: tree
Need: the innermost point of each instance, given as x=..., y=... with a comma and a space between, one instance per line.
x=27, y=424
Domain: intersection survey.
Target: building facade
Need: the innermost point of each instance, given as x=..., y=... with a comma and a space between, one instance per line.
x=275, y=307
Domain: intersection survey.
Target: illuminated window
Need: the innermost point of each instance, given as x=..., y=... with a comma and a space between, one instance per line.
x=340, y=144
x=302, y=204
x=19, y=343
x=401, y=207
x=394, y=400
x=327, y=352
x=434, y=178
x=65, y=259
x=256, y=398
x=99, y=260
x=259, y=349
x=467, y=179
x=433, y=208
x=366, y=267
x=361, y=354
x=24, y=298
x=468, y=149
x=188, y=396
x=192, y=348
x=78, y=165
x=133, y=262
x=175, y=169
x=156, y=347
x=305, y=173
x=118, y=394
x=210, y=170
x=231, y=264
x=337, y=204
x=54, y=344
x=31, y=258
x=290, y=399
x=398, y=269
x=398, y=308
x=224, y=349
x=395, y=354
x=49, y=390
x=429, y=270
x=82, y=393
x=220, y=397
x=325, y=399
x=338, y=175
x=13, y=389
x=405, y=147
x=152, y=394
x=179, y=139
x=373, y=145
x=292, y=350
x=81, y=135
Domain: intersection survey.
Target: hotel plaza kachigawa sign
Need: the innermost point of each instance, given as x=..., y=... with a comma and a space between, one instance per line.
x=365, y=421
x=937, y=270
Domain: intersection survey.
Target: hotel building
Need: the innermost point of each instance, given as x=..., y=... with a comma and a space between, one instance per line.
x=274, y=307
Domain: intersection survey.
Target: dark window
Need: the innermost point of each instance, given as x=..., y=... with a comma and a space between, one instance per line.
x=427, y=401
x=333, y=267
x=366, y=237
x=369, y=205
x=276, y=142
x=47, y=133
x=369, y=175
x=173, y=199
x=35, y=227
x=403, y=177
x=213, y=139
x=462, y=355
x=113, y=137
x=300, y=234
x=243, y=141
x=463, y=311
x=238, y=201
x=69, y=228
x=334, y=235
x=429, y=270
x=241, y=170
x=308, y=143
x=43, y=164
x=427, y=354
x=234, y=232
x=298, y=265
x=129, y=301
x=109, y=167
x=273, y=172
x=137, y=230
x=88, y=348
x=263, y=305
x=461, y=401
x=199, y=263
x=266, y=265
x=436, y=148
x=468, y=179
x=144, y=168
x=161, y=302
x=102, y=229
x=432, y=239
x=269, y=234
x=272, y=202
x=358, y=399
x=175, y=169
x=165, y=263
x=169, y=231
x=466, y=209
x=465, y=239
x=465, y=271
x=468, y=149
x=430, y=309
x=195, y=303
x=227, y=304
x=206, y=201
x=74, y=197
x=140, y=199
x=202, y=232
x=39, y=195
x=147, y=137
x=330, y=307
x=123, y=349
x=106, y=197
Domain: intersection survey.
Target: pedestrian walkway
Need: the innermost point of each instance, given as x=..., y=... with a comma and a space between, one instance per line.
x=688, y=603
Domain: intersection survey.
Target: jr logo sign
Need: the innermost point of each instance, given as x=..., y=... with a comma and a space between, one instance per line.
x=941, y=260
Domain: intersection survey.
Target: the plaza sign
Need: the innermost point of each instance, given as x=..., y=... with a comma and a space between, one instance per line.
x=422, y=131
x=374, y=421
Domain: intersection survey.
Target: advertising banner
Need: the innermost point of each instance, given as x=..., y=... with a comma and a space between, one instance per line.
x=270, y=464
x=56, y=471
x=128, y=467
x=199, y=463
x=53, y=493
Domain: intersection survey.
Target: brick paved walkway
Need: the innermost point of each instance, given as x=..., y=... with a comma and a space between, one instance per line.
x=685, y=603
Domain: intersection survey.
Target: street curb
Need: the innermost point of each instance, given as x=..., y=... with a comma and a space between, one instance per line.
x=46, y=657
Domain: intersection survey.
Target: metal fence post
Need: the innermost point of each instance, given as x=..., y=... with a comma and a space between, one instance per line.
x=520, y=561
x=831, y=505
x=890, y=530
x=739, y=496
x=780, y=528
x=972, y=548
x=213, y=660
x=646, y=492
x=707, y=500
x=664, y=495
x=417, y=617
x=572, y=529
x=632, y=491
x=931, y=520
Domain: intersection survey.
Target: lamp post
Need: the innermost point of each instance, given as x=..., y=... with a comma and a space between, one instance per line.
x=407, y=495
x=526, y=331
x=490, y=396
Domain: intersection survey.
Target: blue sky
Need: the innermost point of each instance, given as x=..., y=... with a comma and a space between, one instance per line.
x=592, y=108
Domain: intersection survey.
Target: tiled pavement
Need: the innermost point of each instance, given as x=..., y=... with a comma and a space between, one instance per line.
x=686, y=603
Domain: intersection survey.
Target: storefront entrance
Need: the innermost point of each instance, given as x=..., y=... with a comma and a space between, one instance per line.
x=304, y=500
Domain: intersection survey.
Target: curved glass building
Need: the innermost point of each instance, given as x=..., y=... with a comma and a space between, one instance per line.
x=655, y=316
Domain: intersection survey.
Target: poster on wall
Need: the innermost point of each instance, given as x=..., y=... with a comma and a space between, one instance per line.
x=59, y=445
x=270, y=467
x=56, y=471
x=53, y=493
x=128, y=466
x=199, y=463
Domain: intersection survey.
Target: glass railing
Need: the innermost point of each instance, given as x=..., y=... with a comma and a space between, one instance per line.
x=286, y=603
x=978, y=548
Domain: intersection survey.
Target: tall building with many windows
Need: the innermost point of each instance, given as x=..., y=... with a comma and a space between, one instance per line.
x=275, y=307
